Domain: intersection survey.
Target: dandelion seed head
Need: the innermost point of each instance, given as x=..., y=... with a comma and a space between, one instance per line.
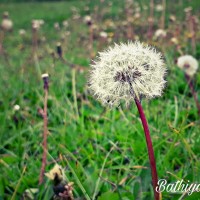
x=45, y=75
x=126, y=71
x=159, y=8
x=65, y=23
x=57, y=26
x=174, y=40
x=188, y=64
x=37, y=23
x=22, y=32
x=88, y=20
x=6, y=23
x=160, y=33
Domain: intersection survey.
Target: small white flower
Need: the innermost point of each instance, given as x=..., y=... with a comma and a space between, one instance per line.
x=103, y=34
x=45, y=75
x=188, y=64
x=57, y=26
x=41, y=22
x=65, y=23
x=22, y=32
x=6, y=23
x=37, y=23
x=127, y=71
x=137, y=15
x=16, y=107
x=88, y=20
x=174, y=40
x=160, y=33
x=159, y=8
x=172, y=18
x=188, y=9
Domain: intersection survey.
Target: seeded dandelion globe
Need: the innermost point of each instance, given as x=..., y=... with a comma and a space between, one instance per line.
x=188, y=64
x=129, y=72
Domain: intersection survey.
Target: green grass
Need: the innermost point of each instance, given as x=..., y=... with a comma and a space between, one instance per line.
x=93, y=141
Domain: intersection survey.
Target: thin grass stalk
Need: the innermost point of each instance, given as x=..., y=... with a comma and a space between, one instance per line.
x=194, y=94
x=45, y=132
x=74, y=93
x=163, y=14
x=129, y=16
x=91, y=40
x=100, y=174
x=192, y=32
x=18, y=184
x=34, y=40
x=78, y=182
x=151, y=20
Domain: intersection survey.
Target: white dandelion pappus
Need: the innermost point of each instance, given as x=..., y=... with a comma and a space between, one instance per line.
x=160, y=33
x=125, y=72
x=16, y=107
x=188, y=64
x=6, y=23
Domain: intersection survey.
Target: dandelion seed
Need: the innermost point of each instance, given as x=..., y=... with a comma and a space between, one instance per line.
x=127, y=66
x=188, y=64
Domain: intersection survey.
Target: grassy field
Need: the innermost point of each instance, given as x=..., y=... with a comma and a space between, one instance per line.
x=103, y=151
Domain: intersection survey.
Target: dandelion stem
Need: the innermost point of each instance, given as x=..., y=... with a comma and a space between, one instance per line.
x=151, y=20
x=163, y=14
x=45, y=131
x=91, y=40
x=149, y=147
x=34, y=40
x=194, y=94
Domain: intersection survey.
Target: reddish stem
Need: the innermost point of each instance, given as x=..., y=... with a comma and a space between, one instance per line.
x=45, y=133
x=194, y=94
x=150, y=149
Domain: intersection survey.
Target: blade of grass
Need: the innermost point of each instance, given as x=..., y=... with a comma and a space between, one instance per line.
x=18, y=184
x=77, y=180
x=101, y=172
x=74, y=92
